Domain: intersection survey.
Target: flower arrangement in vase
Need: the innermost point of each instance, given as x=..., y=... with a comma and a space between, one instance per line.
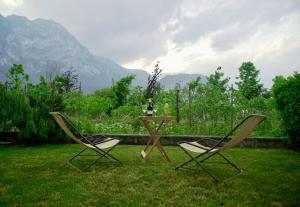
x=152, y=89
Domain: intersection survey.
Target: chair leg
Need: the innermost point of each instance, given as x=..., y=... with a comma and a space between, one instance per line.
x=92, y=163
x=198, y=163
x=101, y=153
x=230, y=162
x=206, y=170
x=185, y=163
x=70, y=160
x=106, y=153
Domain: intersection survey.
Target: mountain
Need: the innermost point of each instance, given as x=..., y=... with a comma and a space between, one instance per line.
x=43, y=46
x=170, y=81
x=46, y=47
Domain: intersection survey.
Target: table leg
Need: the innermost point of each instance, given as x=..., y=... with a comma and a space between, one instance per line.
x=151, y=133
x=155, y=138
x=163, y=152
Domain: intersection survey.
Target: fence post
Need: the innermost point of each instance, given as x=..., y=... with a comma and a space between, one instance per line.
x=79, y=107
x=231, y=104
x=190, y=107
x=177, y=102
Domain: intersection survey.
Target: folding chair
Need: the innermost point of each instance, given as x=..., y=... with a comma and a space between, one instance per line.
x=101, y=147
x=206, y=148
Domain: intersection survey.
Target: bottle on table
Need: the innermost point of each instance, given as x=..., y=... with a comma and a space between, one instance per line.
x=150, y=108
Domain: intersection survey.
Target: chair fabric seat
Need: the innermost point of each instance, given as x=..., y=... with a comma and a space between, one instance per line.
x=112, y=142
x=190, y=146
x=73, y=132
x=243, y=130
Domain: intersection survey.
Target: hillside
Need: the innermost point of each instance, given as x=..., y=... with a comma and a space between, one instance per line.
x=44, y=45
x=170, y=81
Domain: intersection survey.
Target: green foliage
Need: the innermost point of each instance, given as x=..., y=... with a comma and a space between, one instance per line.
x=67, y=82
x=215, y=107
x=136, y=96
x=61, y=83
x=27, y=106
x=105, y=92
x=42, y=99
x=17, y=76
x=13, y=108
x=72, y=101
x=287, y=98
x=211, y=107
x=218, y=81
x=95, y=105
x=249, y=85
x=4, y=110
x=121, y=89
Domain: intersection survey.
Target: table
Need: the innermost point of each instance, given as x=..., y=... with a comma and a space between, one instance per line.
x=155, y=134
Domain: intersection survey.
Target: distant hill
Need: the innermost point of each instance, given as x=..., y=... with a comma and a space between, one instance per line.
x=170, y=81
x=44, y=46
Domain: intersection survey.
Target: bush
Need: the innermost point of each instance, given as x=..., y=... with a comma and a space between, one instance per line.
x=27, y=108
x=286, y=92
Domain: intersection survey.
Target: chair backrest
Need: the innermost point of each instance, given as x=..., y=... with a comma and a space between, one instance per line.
x=65, y=124
x=246, y=127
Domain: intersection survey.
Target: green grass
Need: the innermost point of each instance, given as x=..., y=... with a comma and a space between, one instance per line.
x=40, y=176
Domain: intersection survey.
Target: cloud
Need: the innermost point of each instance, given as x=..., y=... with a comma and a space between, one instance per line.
x=233, y=32
x=121, y=30
x=219, y=15
x=273, y=48
x=12, y=3
x=185, y=35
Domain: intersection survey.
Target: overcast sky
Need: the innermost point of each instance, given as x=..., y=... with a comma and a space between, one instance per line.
x=191, y=36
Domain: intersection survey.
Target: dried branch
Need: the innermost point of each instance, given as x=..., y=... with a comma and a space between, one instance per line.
x=152, y=80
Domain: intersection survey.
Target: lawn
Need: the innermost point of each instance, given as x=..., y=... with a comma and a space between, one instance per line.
x=41, y=176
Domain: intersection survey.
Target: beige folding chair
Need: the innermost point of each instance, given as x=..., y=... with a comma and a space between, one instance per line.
x=203, y=147
x=101, y=147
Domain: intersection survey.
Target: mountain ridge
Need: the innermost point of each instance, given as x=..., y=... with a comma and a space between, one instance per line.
x=169, y=81
x=39, y=44
x=43, y=45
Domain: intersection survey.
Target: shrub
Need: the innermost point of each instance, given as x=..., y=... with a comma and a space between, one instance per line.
x=286, y=92
x=27, y=108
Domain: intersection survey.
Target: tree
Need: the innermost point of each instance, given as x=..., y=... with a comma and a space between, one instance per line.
x=122, y=90
x=249, y=84
x=40, y=127
x=136, y=97
x=67, y=82
x=286, y=93
x=17, y=76
x=27, y=108
x=105, y=92
x=218, y=81
x=192, y=85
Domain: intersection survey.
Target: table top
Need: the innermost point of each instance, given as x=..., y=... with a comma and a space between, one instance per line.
x=157, y=118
